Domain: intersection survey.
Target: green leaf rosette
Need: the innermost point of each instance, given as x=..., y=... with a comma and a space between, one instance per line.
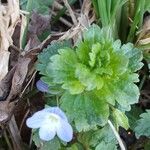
x=95, y=75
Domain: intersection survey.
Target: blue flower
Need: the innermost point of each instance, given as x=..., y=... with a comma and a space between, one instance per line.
x=42, y=86
x=51, y=121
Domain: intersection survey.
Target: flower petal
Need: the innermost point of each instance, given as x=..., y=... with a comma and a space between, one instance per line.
x=65, y=131
x=37, y=119
x=47, y=132
x=57, y=111
x=42, y=86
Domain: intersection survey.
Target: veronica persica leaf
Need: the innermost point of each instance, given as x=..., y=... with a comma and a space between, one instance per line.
x=87, y=110
x=103, y=138
x=94, y=74
x=120, y=118
x=143, y=125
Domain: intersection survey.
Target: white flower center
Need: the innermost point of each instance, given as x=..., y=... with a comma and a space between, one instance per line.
x=53, y=118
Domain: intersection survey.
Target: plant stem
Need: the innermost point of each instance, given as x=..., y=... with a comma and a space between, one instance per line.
x=116, y=135
x=142, y=82
x=7, y=140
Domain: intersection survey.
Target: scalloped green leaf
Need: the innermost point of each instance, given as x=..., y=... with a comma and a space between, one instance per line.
x=87, y=78
x=87, y=110
x=82, y=52
x=63, y=67
x=44, y=57
x=103, y=135
x=119, y=63
x=135, y=56
x=120, y=119
x=94, y=34
x=75, y=146
x=74, y=87
x=95, y=139
x=106, y=146
x=50, y=145
x=143, y=125
x=125, y=94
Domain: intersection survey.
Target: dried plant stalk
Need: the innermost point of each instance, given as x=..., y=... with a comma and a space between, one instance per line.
x=83, y=21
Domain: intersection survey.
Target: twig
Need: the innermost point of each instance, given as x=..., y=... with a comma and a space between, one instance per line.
x=27, y=84
x=67, y=23
x=7, y=140
x=54, y=33
x=15, y=134
x=73, y=17
x=142, y=82
x=24, y=12
x=57, y=5
x=31, y=139
x=22, y=122
x=132, y=22
x=117, y=135
x=15, y=48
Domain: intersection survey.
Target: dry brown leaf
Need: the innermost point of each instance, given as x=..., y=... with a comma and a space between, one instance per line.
x=4, y=61
x=6, y=109
x=19, y=77
x=38, y=23
x=11, y=85
x=13, y=81
x=32, y=42
x=27, y=60
x=144, y=33
x=14, y=55
x=9, y=16
x=5, y=84
x=3, y=114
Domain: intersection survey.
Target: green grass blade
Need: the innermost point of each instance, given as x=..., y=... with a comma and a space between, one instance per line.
x=102, y=8
x=95, y=5
x=62, y=12
x=108, y=5
x=28, y=9
x=124, y=23
x=137, y=21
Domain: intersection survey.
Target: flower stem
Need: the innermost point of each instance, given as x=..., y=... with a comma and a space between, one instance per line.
x=116, y=135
